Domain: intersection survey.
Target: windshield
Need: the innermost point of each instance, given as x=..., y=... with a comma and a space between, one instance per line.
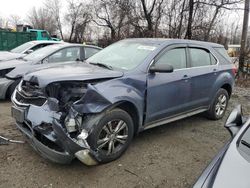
x=22, y=47
x=41, y=53
x=124, y=54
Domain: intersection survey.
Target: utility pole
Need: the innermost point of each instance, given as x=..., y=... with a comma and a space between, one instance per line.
x=244, y=36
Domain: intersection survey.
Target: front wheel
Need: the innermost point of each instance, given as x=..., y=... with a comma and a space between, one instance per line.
x=112, y=135
x=219, y=105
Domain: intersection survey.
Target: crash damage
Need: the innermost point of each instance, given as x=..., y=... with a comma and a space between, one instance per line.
x=58, y=118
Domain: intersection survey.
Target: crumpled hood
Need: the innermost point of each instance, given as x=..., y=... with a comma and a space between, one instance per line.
x=72, y=72
x=5, y=56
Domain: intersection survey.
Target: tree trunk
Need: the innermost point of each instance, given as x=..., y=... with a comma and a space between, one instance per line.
x=206, y=37
x=182, y=15
x=244, y=36
x=190, y=20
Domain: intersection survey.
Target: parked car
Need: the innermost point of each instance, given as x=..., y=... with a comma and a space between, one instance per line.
x=24, y=49
x=91, y=111
x=12, y=71
x=230, y=167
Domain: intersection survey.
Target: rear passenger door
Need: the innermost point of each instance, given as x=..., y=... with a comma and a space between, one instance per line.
x=203, y=73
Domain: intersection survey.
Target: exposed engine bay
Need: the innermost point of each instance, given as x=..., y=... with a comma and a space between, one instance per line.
x=57, y=98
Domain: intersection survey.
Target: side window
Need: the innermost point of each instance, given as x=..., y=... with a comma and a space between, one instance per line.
x=34, y=48
x=45, y=34
x=199, y=57
x=213, y=60
x=90, y=51
x=67, y=54
x=175, y=57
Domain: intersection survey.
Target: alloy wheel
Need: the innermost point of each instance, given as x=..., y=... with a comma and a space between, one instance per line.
x=221, y=105
x=112, y=137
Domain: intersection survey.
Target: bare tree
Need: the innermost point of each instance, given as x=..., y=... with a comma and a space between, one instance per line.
x=73, y=15
x=42, y=19
x=54, y=7
x=244, y=35
x=14, y=20
x=190, y=19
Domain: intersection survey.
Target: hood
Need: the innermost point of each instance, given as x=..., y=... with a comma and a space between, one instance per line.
x=72, y=72
x=12, y=64
x=5, y=56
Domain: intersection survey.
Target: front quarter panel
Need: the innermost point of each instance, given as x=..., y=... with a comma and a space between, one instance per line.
x=108, y=93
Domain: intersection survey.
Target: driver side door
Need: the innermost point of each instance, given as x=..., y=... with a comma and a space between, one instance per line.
x=168, y=94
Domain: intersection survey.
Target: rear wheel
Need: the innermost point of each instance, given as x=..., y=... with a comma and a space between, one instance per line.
x=219, y=105
x=112, y=135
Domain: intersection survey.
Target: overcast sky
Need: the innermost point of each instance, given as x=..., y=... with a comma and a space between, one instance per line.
x=18, y=7
x=22, y=7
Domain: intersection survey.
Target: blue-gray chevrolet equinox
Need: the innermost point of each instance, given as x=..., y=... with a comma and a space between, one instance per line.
x=92, y=110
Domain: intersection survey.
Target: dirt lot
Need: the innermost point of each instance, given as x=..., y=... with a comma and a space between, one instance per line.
x=168, y=156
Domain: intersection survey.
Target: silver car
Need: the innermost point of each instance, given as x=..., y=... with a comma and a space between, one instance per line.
x=25, y=49
x=12, y=71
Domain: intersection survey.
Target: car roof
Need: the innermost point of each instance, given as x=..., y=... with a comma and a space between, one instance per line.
x=160, y=41
x=46, y=42
x=65, y=44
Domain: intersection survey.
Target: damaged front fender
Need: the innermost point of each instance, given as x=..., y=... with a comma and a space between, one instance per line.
x=102, y=96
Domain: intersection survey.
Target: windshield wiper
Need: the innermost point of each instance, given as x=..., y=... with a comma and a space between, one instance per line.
x=245, y=143
x=102, y=65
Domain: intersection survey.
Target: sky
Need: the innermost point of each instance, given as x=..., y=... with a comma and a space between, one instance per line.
x=18, y=7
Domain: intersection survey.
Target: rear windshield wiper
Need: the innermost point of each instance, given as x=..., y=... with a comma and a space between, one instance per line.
x=102, y=65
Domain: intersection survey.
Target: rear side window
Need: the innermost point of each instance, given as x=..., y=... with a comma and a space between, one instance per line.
x=40, y=46
x=175, y=57
x=66, y=54
x=200, y=57
x=223, y=52
x=90, y=51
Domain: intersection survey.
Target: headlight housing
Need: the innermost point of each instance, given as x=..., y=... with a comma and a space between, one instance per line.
x=3, y=72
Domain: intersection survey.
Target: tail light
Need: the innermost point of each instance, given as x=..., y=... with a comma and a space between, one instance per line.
x=234, y=70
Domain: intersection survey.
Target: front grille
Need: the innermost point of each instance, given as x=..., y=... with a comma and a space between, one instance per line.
x=31, y=89
x=37, y=101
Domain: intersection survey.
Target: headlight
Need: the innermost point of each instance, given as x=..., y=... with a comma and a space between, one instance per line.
x=3, y=72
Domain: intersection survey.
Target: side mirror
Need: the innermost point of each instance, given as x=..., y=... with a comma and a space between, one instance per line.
x=234, y=121
x=163, y=68
x=29, y=51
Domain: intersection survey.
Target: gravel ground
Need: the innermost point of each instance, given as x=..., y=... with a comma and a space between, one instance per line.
x=173, y=155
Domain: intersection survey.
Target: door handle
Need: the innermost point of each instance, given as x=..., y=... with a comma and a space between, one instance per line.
x=185, y=77
x=215, y=71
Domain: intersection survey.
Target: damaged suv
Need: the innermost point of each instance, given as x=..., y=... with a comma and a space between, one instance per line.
x=91, y=111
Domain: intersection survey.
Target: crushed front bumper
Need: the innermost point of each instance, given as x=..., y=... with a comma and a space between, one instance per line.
x=47, y=136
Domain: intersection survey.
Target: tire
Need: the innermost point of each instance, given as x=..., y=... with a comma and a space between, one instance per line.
x=219, y=105
x=105, y=137
x=11, y=89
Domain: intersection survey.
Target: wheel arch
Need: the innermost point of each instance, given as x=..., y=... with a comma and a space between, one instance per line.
x=228, y=88
x=132, y=110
